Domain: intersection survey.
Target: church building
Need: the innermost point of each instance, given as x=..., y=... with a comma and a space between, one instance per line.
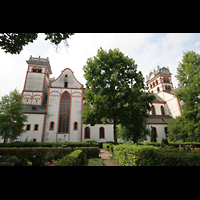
x=54, y=106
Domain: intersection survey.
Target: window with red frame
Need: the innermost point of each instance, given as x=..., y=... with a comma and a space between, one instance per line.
x=64, y=113
x=51, y=126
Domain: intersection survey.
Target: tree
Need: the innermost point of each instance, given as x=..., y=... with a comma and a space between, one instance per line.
x=14, y=42
x=115, y=91
x=127, y=133
x=189, y=81
x=11, y=117
x=177, y=129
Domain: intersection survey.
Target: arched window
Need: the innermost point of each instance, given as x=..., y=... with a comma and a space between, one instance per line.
x=153, y=112
x=64, y=113
x=87, y=133
x=155, y=131
x=39, y=70
x=156, y=82
x=101, y=133
x=75, y=125
x=34, y=69
x=162, y=110
x=166, y=131
x=51, y=127
x=158, y=89
x=169, y=88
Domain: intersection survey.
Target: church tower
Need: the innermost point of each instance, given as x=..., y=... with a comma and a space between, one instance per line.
x=37, y=80
x=159, y=80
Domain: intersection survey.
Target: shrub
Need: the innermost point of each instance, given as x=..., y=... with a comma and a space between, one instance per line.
x=108, y=146
x=37, y=155
x=89, y=152
x=12, y=160
x=49, y=144
x=74, y=159
x=132, y=155
x=165, y=141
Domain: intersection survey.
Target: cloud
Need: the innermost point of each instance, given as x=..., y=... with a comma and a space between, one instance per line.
x=148, y=51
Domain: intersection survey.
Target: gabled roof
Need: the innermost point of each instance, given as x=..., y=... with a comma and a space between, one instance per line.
x=34, y=109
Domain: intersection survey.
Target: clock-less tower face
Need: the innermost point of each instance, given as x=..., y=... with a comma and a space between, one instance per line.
x=159, y=80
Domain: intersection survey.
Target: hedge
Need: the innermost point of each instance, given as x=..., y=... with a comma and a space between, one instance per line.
x=30, y=152
x=49, y=144
x=108, y=147
x=174, y=144
x=133, y=155
x=76, y=158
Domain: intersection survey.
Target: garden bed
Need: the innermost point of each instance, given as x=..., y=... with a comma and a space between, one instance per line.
x=45, y=156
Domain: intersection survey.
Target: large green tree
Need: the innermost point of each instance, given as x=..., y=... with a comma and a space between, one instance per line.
x=177, y=129
x=11, y=117
x=188, y=75
x=115, y=91
x=14, y=42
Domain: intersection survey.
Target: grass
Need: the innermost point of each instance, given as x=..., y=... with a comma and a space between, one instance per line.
x=93, y=162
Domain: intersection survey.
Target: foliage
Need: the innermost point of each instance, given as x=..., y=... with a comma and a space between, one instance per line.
x=165, y=141
x=93, y=162
x=42, y=154
x=11, y=117
x=48, y=144
x=189, y=82
x=74, y=159
x=177, y=129
x=115, y=91
x=12, y=160
x=14, y=42
x=53, y=155
x=108, y=146
x=133, y=155
x=126, y=133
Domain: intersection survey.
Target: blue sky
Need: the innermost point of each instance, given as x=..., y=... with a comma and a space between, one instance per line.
x=147, y=49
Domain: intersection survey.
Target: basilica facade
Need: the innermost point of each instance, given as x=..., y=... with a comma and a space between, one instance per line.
x=54, y=106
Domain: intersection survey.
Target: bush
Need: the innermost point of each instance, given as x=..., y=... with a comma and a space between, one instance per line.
x=12, y=160
x=165, y=141
x=108, y=146
x=132, y=155
x=37, y=155
x=74, y=159
x=49, y=144
x=89, y=152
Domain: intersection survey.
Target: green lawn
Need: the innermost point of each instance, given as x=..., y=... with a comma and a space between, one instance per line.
x=93, y=162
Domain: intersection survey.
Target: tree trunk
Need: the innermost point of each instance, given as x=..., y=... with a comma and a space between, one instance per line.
x=114, y=131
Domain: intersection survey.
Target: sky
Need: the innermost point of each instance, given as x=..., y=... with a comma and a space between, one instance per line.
x=147, y=49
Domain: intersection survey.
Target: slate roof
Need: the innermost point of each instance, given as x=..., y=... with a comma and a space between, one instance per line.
x=34, y=109
x=158, y=119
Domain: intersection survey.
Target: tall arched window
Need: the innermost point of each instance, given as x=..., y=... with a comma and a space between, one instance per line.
x=153, y=112
x=155, y=131
x=166, y=131
x=101, y=133
x=162, y=110
x=64, y=113
x=87, y=133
